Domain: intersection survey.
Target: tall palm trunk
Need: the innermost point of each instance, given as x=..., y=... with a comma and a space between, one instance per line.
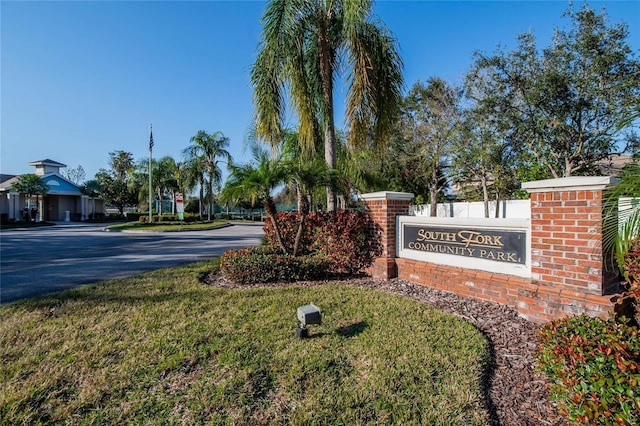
x=201, y=198
x=210, y=196
x=330, y=158
x=326, y=74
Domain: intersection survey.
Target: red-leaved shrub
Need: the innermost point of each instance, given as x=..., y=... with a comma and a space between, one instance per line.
x=593, y=366
x=340, y=238
x=631, y=295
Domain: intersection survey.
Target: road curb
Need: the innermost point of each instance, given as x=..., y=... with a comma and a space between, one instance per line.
x=143, y=231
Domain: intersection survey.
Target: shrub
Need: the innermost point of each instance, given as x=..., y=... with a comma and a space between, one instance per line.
x=167, y=217
x=593, y=367
x=193, y=206
x=261, y=264
x=135, y=217
x=630, y=298
x=96, y=216
x=341, y=238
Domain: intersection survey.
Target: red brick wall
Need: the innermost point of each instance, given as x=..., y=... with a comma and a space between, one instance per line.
x=384, y=212
x=566, y=239
x=536, y=302
x=568, y=276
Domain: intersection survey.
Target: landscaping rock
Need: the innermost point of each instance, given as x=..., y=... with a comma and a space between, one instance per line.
x=516, y=394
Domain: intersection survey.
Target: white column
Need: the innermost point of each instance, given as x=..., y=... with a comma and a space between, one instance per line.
x=14, y=205
x=84, y=202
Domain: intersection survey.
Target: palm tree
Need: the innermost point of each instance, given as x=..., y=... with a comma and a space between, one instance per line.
x=163, y=178
x=167, y=171
x=205, y=149
x=622, y=219
x=30, y=184
x=303, y=173
x=255, y=183
x=192, y=174
x=304, y=43
x=92, y=188
x=622, y=236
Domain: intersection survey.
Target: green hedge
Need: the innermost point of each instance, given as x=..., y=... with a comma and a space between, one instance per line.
x=167, y=217
x=593, y=365
x=135, y=217
x=262, y=265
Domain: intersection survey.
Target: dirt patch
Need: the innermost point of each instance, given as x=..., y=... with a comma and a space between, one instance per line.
x=516, y=394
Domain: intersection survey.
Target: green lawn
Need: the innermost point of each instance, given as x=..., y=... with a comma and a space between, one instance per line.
x=167, y=227
x=164, y=348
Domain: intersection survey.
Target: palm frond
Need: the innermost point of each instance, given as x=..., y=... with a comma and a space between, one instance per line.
x=375, y=89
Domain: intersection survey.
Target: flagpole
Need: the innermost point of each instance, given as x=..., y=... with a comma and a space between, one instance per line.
x=150, y=159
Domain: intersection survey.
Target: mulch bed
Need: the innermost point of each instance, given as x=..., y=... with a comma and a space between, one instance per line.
x=516, y=394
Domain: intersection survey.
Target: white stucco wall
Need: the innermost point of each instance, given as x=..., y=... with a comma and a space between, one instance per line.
x=516, y=209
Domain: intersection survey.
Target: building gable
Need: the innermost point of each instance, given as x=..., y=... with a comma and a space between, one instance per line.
x=60, y=186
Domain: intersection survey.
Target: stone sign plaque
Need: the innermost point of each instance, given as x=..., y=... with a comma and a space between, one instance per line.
x=490, y=244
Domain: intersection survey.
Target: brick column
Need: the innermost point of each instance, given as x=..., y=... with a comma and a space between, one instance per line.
x=566, y=236
x=383, y=207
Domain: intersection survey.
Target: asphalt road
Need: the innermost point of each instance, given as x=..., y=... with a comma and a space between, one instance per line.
x=44, y=260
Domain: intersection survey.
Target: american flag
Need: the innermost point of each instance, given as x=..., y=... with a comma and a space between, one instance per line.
x=150, y=140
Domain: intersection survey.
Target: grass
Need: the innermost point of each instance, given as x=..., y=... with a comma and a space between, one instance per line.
x=163, y=348
x=167, y=226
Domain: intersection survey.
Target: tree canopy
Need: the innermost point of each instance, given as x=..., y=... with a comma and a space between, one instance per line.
x=569, y=103
x=118, y=185
x=304, y=43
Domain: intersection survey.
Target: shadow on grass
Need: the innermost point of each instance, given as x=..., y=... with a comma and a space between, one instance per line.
x=487, y=378
x=353, y=329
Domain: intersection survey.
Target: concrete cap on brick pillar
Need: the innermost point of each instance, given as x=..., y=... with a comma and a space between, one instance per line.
x=572, y=183
x=386, y=195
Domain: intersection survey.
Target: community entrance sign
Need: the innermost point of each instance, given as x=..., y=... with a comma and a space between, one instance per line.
x=492, y=245
x=180, y=206
x=496, y=245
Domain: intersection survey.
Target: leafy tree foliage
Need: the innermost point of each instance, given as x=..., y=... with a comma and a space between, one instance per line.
x=121, y=165
x=569, y=102
x=118, y=186
x=431, y=119
x=30, y=185
x=483, y=161
x=91, y=188
x=633, y=144
x=304, y=43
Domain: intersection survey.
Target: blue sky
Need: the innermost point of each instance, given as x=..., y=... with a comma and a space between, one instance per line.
x=81, y=79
